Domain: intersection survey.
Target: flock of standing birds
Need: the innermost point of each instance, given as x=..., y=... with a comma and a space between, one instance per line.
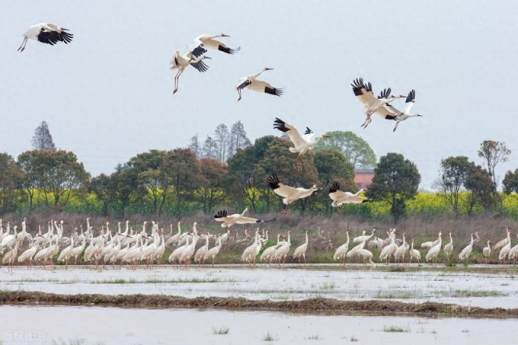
x=131, y=247
x=140, y=247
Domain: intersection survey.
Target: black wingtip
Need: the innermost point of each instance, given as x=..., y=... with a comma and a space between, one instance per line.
x=411, y=96
x=221, y=214
x=280, y=125
x=274, y=91
x=335, y=186
x=273, y=181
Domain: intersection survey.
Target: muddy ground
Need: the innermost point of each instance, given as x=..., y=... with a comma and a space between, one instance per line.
x=309, y=306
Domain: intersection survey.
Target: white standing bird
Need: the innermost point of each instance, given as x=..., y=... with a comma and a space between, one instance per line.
x=341, y=252
x=448, y=248
x=251, y=82
x=287, y=193
x=193, y=57
x=504, y=251
x=229, y=220
x=465, y=253
x=340, y=197
x=414, y=253
x=434, y=251
x=211, y=41
x=46, y=33
x=388, y=251
x=300, y=251
x=486, y=251
x=402, y=251
x=504, y=241
x=364, y=237
x=372, y=104
x=301, y=143
x=214, y=251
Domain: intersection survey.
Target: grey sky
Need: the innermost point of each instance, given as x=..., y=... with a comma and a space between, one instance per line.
x=107, y=96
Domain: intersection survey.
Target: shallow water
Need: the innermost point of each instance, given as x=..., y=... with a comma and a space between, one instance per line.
x=94, y=325
x=475, y=289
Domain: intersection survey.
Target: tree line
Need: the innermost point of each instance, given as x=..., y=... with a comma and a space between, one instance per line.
x=231, y=173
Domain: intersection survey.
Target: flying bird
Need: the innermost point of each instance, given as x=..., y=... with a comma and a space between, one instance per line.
x=301, y=143
x=193, y=57
x=209, y=41
x=372, y=104
x=287, y=193
x=46, y=33
x=251, y=82
x=232, y=219
x=405, y=114
x=340, y=197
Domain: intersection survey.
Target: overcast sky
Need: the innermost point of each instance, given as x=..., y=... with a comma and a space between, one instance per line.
x=107, y=96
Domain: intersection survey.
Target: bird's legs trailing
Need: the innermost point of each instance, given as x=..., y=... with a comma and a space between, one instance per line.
x=368, y=119
x=176, y=79
x=395, y=127
x=21, y=48
x=239, y=93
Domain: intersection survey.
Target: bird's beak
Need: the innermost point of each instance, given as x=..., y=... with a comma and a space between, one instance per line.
x=225, y=35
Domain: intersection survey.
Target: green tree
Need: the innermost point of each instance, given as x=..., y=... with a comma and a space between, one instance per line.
x=211, y=189
x=42, y=139
x=331, y=166
x=454, y=172
x=103, y=188
x=55, y=173
x=153, y=181
x=183, y=171
x=10, y=178
x=511, y=182
x=395, y=181
x=355, y=149
x=125, y=185
x=482, y=188
x=493, y=152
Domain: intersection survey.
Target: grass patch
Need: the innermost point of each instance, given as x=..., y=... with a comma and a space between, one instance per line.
x=395, y=329
x=475, y=293
x=221, y=331
x=394, y=295
x=160, y=281
x=268, y=337
x=328, y=286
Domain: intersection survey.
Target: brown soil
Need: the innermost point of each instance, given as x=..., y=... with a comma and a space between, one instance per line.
x=308, y=306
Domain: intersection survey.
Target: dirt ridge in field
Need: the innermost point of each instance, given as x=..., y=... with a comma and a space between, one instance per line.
x=321, y=306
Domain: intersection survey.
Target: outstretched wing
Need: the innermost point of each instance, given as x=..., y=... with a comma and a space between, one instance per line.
x=385, y=93
x=200, y=66
x=244, y=84
x=221, y=214
x=246, y=220
x=198, y=51
x=388, y=111
x=292, y=132
x=363, y=91
x=410, y=101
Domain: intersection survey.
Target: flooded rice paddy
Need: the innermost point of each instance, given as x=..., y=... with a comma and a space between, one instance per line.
x=481, y=288
x=95, y=325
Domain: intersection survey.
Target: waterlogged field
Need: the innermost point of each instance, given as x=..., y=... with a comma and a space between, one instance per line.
x=94, y=325
x=483, y=286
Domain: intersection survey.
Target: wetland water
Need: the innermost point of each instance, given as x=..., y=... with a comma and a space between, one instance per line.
x=480, y=288
x=94, y=325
